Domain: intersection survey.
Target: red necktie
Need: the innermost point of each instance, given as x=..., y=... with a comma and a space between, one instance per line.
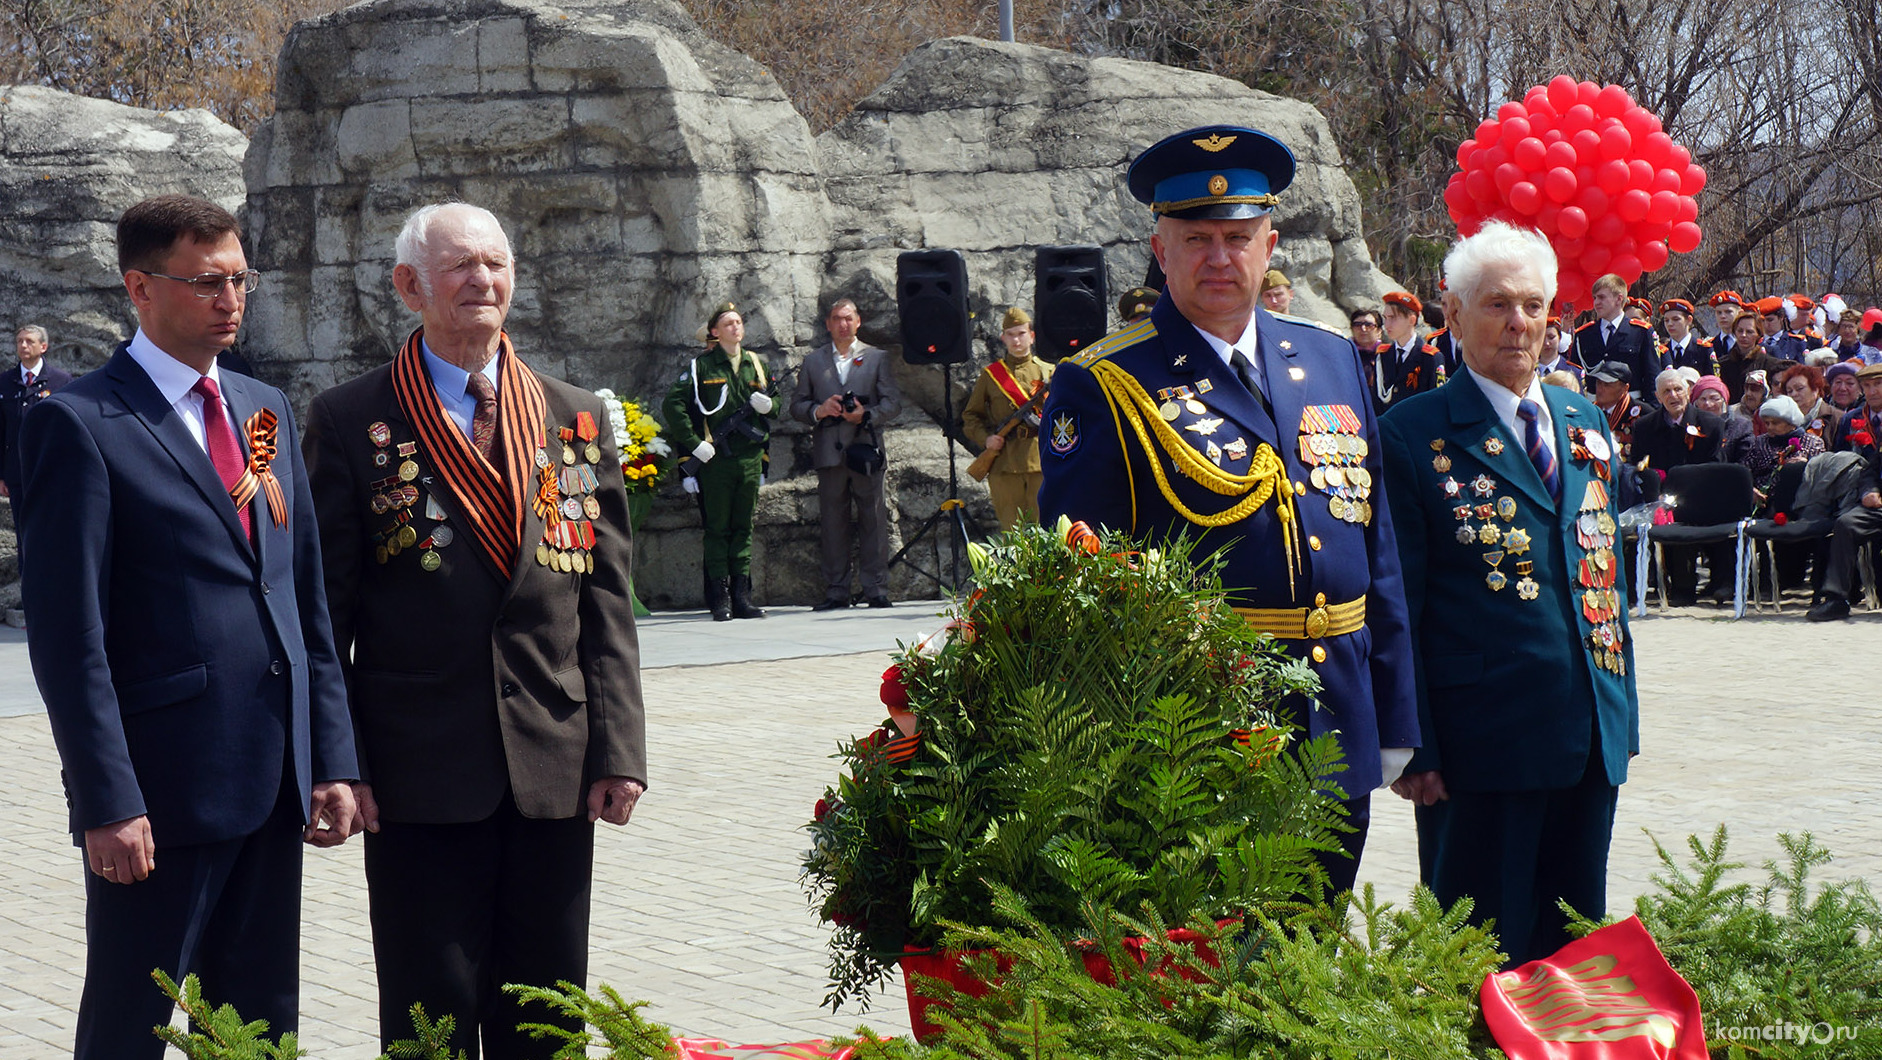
x=219, y=438
x=30, y=376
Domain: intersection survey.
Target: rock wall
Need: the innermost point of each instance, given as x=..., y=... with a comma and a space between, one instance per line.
x=69, y=166
x=646, y=173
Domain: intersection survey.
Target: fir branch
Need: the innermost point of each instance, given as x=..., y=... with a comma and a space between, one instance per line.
x=431, y=1040
x=218, y=1032
x=624, y=1032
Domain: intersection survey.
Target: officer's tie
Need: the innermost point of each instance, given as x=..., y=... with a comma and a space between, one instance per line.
x=225, y=452
x=1245, y=371
x=1539, y=454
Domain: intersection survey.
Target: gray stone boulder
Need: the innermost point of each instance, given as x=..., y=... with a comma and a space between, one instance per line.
x=69, y=165
x=643, y=172
x=993, y=149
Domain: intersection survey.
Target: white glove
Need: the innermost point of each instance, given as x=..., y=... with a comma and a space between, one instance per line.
x=704, y=452
x=690, y=484
x=1564, y=342
x=761, y=403
x=1392, y=762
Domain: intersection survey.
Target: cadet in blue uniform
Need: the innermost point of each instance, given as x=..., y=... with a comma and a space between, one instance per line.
x=1506, y=526
x=1254, y=434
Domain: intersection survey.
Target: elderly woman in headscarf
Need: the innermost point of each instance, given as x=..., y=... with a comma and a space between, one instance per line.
x=1784, y=441
x=1709, y=394
x=1757, y=389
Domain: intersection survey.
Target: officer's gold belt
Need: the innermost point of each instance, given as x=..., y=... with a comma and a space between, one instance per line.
x=1307, y=623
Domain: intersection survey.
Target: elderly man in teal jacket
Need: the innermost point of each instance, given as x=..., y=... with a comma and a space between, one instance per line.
x=1500, y=496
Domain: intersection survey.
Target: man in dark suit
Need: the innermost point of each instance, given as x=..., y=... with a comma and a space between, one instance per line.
x=28, y=384
x=1860, y=524
x=845, y=391
x=1249, y=408
x=1525, y=683
x=1614, y=336
x=180, y=641
x=474, y=522
x=1677, y=432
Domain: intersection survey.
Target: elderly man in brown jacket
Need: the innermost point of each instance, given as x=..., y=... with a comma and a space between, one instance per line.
x=473, y=521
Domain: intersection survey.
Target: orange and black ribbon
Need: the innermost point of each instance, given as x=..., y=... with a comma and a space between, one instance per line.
x=261, y=430
x=490, y=491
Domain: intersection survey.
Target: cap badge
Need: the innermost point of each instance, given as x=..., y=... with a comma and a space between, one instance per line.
x=1215, y=142
x=1218, y=185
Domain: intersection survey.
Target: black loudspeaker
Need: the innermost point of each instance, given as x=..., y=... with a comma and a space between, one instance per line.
x=1069, y=299
x=931, y=297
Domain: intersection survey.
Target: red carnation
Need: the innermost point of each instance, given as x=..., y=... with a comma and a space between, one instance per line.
x=821, y=811
x=1780, y=518
x=1861, y=438
x=894, y=689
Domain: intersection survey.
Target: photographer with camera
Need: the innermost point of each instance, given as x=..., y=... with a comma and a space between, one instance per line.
x=846, y=393
x=716, y=414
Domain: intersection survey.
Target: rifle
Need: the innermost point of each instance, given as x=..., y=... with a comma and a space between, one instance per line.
x=740, y=424
x=983, y=464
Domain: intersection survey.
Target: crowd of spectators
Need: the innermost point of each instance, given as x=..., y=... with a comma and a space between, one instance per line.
x=1780, y=385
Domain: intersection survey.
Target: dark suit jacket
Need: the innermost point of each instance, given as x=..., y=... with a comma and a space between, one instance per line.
x=465, y=686
x=1509, y=696
x=181, y=670
x=1093, y=474
x=1664, y=445
x=870, y=380
x=1631, y=345
x=16, y=400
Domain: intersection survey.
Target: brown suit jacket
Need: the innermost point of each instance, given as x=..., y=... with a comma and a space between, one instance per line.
x=464, y=686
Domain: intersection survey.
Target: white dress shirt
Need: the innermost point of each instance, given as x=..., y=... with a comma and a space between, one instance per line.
x=175, y=381
x=843, y=361
x=1248, y=347
x=453, y=386
x=1504, y=401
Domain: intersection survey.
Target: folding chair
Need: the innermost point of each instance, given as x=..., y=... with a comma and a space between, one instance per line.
x=1711, y=503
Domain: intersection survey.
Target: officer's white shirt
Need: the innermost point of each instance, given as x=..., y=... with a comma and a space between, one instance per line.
x=1248, y=346
x=1504, y=401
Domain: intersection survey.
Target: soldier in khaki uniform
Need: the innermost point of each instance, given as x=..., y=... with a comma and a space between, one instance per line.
x=1004, y=386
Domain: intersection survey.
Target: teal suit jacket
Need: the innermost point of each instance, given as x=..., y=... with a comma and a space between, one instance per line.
x=1511, y=696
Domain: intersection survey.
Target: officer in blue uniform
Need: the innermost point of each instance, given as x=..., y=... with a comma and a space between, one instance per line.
x=1504, y=506
x=1254, y=434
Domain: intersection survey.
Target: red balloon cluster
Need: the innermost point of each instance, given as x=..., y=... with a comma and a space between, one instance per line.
x=1591, y=170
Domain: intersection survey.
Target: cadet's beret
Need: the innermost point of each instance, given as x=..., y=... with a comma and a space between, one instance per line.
x=1216, y=172
x=1679, y=304
x=1640, y=303
x=1802, y=303
x=712, y=321
x=1275, y=278
x=1768, y=305
x=1611, y=372
x=1404, y=300
x=1136, y=302
x=1726, y=298
x=1015, y=317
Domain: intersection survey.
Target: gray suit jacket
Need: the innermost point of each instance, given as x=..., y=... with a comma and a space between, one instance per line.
x=872, y=383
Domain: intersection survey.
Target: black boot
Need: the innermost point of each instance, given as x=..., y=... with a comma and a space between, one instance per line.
x=716, y=599
x=742, y=606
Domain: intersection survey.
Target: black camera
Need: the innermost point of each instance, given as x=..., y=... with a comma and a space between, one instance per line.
x=850, y=404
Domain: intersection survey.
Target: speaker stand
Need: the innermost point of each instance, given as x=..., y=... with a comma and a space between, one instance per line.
x=950, y=518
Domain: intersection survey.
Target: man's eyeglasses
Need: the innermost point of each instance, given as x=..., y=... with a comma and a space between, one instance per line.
x=1365, y=325
x=210, y=285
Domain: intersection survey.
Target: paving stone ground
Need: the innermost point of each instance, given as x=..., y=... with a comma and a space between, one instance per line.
x=1765, y=724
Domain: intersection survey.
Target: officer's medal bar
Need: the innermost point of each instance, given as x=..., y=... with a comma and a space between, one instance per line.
x=1333, y=444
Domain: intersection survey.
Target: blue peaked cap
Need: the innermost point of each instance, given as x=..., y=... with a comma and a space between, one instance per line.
x=1219, y=172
